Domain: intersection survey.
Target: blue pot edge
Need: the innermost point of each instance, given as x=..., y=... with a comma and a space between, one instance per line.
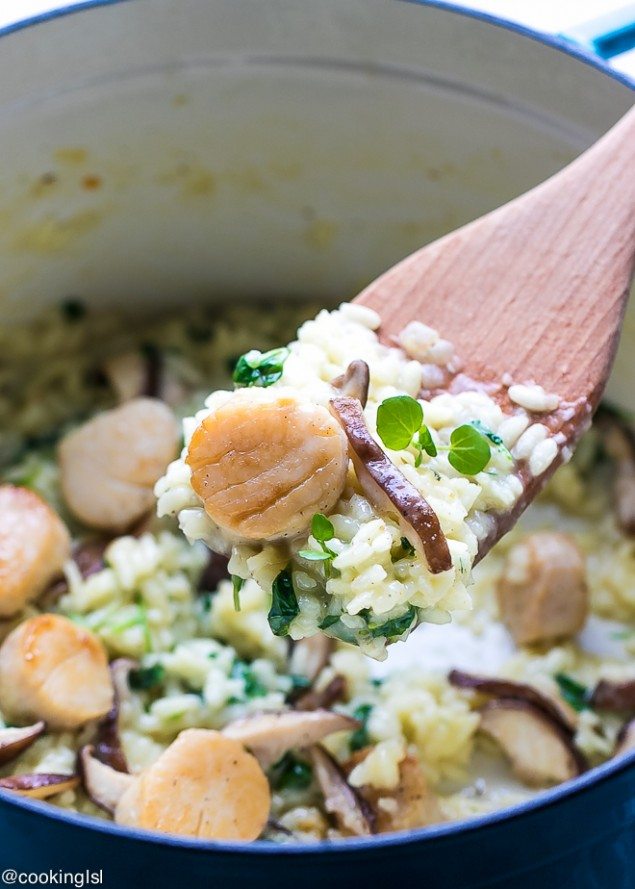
x=351, y=845
x=554, y=41
x=543, y=801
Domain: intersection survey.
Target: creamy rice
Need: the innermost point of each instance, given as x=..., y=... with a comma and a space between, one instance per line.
x=371, y=583
x=213, y=664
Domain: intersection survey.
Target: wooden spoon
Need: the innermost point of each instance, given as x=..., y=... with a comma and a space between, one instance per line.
x=534, y=292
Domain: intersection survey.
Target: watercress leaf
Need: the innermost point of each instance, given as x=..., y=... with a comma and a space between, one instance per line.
x=360, y=737
x=252, y=685
x=314, y=556
x=328, y=621
x=284, y=604
x=238, y=583
x=426, y=443
x=322, y=528
x=256, y=368
x=290, y=773
x=469, y=450
x=573, y=692
x=495, y=439
x=299, y=682
x=144, y=678
x=398, y=419
x=394, y=627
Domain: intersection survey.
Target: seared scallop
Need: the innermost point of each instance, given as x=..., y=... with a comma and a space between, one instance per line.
x=34, y=544
x=204, y=785
x=264, y=463
x=542, y=592
x=110, y=464
x=51, y=669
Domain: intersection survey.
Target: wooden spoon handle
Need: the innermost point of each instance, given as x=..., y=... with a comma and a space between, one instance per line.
x=535, y=290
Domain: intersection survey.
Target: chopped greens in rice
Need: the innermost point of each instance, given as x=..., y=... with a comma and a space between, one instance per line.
x=206, y=648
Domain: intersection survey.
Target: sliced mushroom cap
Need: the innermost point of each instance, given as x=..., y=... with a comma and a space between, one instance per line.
x=127, y=374
x=619, y=443
x=310, y=655
x=540, y=752
x=505, y=688
x=389, y=489
x=204, y=785
x=34, y=544
x=103, y=784
x=110, y=464
x=542, y=591
x=619, y=696
x=89, y=558
x=39, y=786
x=409, y=805
x=270, y=735
x=14, y=741
x=143, y=373
x=265, y=461
x=354, y=382
x=625, y=739
x=107, y=744
x=351, y=811
x=323, y=698
x=215, y=571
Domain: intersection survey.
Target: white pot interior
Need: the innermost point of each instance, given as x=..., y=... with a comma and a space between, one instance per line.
x=161, y=152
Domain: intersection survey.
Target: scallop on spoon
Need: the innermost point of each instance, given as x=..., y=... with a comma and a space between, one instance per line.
x=532, y=293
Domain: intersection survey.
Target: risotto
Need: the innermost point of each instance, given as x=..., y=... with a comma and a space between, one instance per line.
x=196, y=641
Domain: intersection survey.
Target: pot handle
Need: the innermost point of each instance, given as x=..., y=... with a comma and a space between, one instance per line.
x=607, y=36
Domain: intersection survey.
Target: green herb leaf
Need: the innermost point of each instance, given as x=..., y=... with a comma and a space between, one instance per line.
x=290, y=773
x=398, y=419
x=284, y=604
x=425, y=443
x=238, y=583
x=146, y=677
x=407, y=547
x=314, y=556
x=394, y=627
x=573, y=692
x=322, y=528
x=253, y=687
x=360, y=737
x=328, y=621
x=299, y=682
x=495, y=439
x=469, y=450
x=73, y=310
x=256, y=368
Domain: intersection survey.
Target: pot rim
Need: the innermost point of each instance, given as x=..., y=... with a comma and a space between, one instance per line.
x=544, y=799
x=554, y=41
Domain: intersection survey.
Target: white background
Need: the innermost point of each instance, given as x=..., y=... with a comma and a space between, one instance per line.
x=543, y=15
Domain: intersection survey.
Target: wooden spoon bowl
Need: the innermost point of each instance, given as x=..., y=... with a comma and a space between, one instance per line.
x=532, y=293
